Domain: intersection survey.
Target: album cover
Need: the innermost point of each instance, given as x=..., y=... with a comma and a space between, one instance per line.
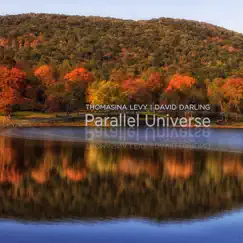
x=121, y=121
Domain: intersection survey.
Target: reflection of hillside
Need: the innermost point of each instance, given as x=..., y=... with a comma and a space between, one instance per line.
x=102, y=160
x=130, y=166
x=75, y=175
x=8, y=171
x=41, y=173
x=232, y=165
x=128, y=162
x=44, y=179
x=10, y=174
x=224, y=164
x=6, y=151
x=178, y=164
x=120, y=196
x=73, y=162
x=67, y=161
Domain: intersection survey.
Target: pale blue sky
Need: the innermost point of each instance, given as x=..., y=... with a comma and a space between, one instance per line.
x=225, y=13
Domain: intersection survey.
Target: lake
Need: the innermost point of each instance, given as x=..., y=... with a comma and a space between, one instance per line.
x=121, y=185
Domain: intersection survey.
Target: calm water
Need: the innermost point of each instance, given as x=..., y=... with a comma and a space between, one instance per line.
x=121, y=185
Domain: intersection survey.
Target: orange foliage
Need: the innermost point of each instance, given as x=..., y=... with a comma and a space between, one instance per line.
x=78, y=78
x=233, y=87
x=37, y=41
x=3, y=41
x=45, y=74
x=79, y=74
x=180, y=82
x=233, y=90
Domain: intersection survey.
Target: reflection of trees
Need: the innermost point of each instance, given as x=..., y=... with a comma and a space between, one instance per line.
x=10, y=174
x=73, y=162
x=124, y=161
x=138, y=162
x=8, y=162
x=219, y=164
x=67, y=160
x=41, y=158
x=131, y=166
x=102, y=160
x=232, y=164
x=6, y=151
x=41, y=173
x=63, y=180
x=103, y=196
x=75, y=174
x=178, y=163
x=213, y=169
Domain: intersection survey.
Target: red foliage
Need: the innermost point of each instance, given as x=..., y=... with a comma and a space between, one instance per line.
x=12, y=86
x=136, y=89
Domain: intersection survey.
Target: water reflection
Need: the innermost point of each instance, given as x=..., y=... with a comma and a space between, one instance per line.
x=44, y=179
x=193, y=138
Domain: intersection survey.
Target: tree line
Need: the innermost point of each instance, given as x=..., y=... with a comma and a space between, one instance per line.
x=46, y=89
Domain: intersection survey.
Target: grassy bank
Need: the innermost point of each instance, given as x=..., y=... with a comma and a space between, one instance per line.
x=61, y=119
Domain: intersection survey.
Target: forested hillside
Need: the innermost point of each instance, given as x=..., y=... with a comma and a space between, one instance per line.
x=51, y=60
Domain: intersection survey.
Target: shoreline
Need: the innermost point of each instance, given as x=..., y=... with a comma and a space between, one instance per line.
x=26, y=120
x=81, y=124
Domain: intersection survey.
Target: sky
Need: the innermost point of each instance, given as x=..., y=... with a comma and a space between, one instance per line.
x=224, y=13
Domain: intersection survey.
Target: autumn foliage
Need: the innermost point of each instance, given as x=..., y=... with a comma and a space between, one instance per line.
x=47, y=89
x=154, y=83
x=12, y=87
x=106, y=92
x=45, y=74
x=180, y=82
x=136, y=90
x=233, y=91
x=227, y=93
x=179, y=164
x=79, y=75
